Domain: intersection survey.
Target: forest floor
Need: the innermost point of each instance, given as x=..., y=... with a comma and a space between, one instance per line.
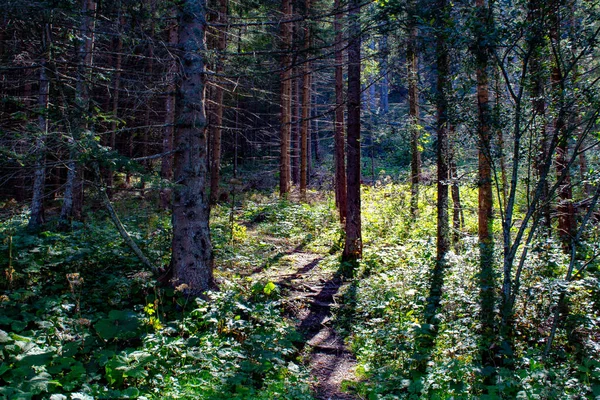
x=311, y=292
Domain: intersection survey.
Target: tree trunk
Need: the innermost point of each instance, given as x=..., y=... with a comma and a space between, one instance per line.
x=443, y=65
x=118, y=49
x=217, y=122
x=73, y=196
x=487, y=279
x=353, y=245
x=500, y=138
x=538, y=102
x=39, y=178
x=286, y=99
x=457, y=213
x=384, y=105
x=340, y=150
x=412, y=61
x=166, y=167
x=565, y=209
x=297, y=101
x=306, y=104
x=192, y=259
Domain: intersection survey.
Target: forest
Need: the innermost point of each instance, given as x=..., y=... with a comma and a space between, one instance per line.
x=299, y=199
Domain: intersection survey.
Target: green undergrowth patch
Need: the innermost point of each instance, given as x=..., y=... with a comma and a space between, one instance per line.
x=263, y=229
x=382, y=312
x=80, y=318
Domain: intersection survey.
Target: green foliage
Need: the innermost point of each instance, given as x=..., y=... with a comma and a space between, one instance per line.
x=383, y=311
x=81, y=319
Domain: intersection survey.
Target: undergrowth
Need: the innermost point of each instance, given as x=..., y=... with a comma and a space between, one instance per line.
x=80, y=318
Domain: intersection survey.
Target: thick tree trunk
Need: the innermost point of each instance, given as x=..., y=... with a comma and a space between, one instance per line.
x=192, y=259
x=286, y=99
x=353, y=245
x=166, y=167
x=39, y=178
x=217, y=121
x=340, y=149
x=412, y=61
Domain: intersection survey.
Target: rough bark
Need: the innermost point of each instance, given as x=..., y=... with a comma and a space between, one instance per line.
x=286, y=99
x=217, y=121
x=192, y=260
x=353, y=245
x=340, y=150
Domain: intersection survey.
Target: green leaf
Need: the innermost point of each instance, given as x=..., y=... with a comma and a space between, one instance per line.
x=269, y=287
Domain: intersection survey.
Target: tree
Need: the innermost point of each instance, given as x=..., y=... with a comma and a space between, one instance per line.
x=482, y=49
x=166, y=167
x=306, y=107
x=353, y=245
x=73, y=195
x=286, y=99
x=192, y=259
x=39, y=178
x=340, y=150
x=412, y=61
x=217, y=120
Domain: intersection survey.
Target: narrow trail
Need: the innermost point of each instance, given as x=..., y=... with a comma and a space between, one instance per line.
x=311, y=294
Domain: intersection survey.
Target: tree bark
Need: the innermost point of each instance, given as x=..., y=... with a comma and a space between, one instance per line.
x=192, y=259
x=384, y=105
x=538, y=101
x=412, y=60
x=217, y=122
x=442, y=150
x=306, y=104
x=487, y=279
x=353, y=245
x=166, y=167
x=340, y=150
x=36, y=218
x=286, y=99
x=297, y=116
x=118, y=49
x=73, y=195
x=565, y=209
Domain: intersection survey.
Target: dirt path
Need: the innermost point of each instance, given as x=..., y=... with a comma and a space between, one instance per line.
x=311, y=293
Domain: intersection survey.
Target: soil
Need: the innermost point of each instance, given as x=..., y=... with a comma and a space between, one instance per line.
x=311, y=293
